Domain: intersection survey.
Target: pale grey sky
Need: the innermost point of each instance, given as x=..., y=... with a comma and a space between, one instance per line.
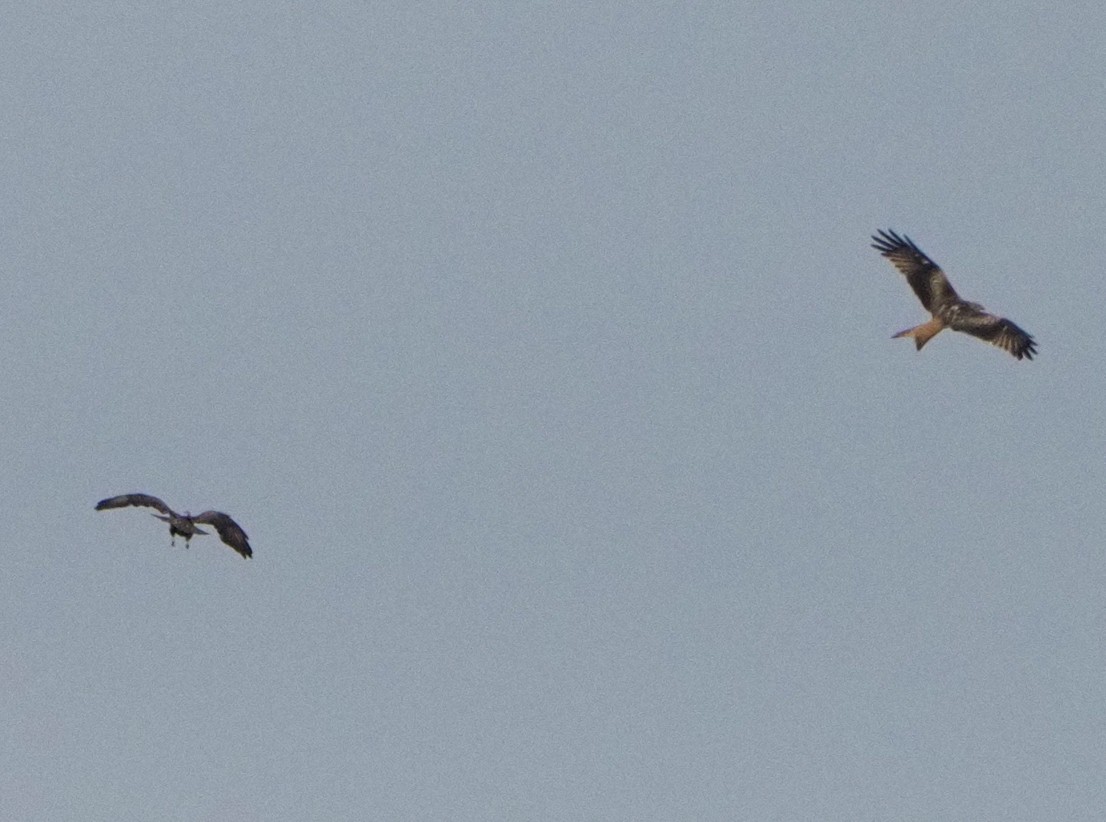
x=540, y=350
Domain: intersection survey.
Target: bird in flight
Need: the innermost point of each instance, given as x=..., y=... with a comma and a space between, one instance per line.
x=185, y=525
x=941, y=300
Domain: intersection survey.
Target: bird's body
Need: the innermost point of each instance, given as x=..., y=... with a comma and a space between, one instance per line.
x=185, y=525
x=181, y=525
x=941, y=300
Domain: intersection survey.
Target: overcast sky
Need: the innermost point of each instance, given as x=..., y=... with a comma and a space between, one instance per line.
x=541, y=351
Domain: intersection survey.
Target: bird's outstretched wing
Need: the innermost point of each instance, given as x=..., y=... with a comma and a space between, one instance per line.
x=133, y=499
x=230, y=531
x=995, y=330
x=925, y=276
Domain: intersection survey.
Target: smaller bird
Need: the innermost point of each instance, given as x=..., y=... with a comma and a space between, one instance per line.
x=185, y=525
x=941, y=300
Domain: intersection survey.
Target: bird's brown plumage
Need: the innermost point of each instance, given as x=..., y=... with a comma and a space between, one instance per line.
x=940, y=299
x=185, y=524
x=229, y=531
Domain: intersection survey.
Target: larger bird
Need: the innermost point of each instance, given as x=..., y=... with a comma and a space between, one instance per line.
x=941, y=300
x=185, y=525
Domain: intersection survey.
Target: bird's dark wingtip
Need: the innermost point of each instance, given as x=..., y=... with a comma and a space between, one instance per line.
x=888, y=241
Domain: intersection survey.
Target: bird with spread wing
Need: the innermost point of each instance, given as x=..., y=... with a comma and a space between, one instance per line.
x=941, y=300
x=185, y=525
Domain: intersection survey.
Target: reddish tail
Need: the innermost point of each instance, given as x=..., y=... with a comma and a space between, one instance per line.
x=922, y=333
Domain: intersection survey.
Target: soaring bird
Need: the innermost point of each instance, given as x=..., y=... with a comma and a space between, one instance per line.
x=185, y=525
x=941, y=300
